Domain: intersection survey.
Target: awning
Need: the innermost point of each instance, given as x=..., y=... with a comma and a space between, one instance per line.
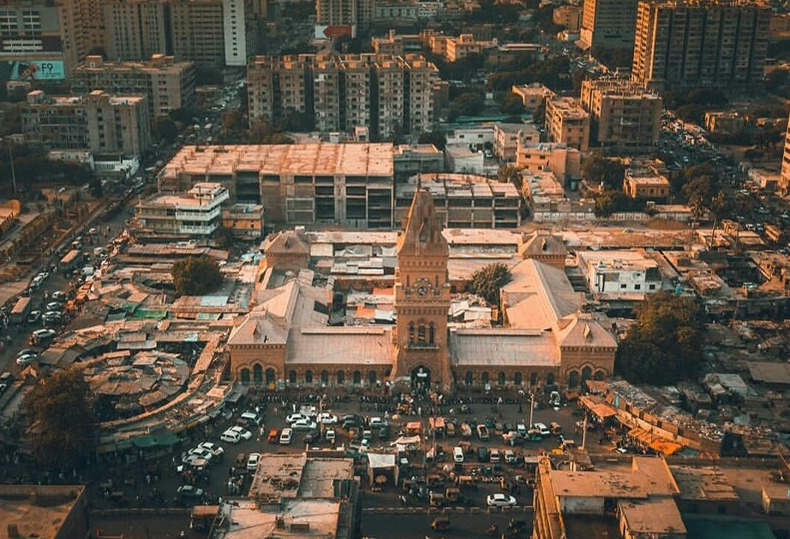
x=656, y=443
x=603, y=411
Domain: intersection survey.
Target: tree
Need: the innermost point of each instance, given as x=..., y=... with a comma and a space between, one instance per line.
x=62, y=422
x=224, y=237
x=601, y=170
x=97, y=189
x=507, y=174
x=487, y=281
x=165, y=129
x=664, y=345
x=437, y=138
x=196, y=276
x=467, y=104
x=511, y=104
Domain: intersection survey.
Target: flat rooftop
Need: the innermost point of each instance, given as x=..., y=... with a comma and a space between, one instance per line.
x=298, y=518
x=703, y=483
x=652, y=516
x=37, y=511
x=593, y=484
x=321, y=159
x=297, y=476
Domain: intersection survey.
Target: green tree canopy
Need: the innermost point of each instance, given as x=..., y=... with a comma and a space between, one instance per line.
x=511, y=104
x=664, y=345
x=165, y=129
x=62, y=421
x=609, y=172
x=437, y=138
x=196, y=276
x=487, y=281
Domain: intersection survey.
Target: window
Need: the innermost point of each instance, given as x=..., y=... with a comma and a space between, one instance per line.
x=637, y=287
x=484, y=378
x=292, y=377
x=308, y=377
x=341, y=377
x=357, y=377
x=468, y=378
x=257, y=373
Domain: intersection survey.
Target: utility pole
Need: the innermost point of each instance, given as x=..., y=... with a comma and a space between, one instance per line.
x=531, y=408
x=13, y=171
x=584, y=431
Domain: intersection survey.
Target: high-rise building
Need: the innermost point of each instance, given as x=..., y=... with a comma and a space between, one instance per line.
x=98, y=121
x=608, y=24
x=568, y=122
x=387, y=94
x=136, y=29
x=167, y=84
x=625, y=117
x=701, y=43
x=210, y=33
x=784, y=179
x=357, y=14
x=82, y=26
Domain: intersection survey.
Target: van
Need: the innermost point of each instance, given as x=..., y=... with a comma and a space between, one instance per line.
x=458, y=454
x=253, y=417
x=285, y=436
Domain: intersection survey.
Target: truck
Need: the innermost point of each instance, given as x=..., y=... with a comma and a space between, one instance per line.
x=71, y=260
x=21, y=309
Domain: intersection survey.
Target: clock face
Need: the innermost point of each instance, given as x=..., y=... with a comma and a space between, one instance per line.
x=422, y=290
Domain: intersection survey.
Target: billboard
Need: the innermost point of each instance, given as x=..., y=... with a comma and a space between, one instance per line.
x=332, y=32
x=30, y=70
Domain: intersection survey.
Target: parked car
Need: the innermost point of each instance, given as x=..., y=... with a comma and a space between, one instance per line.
x=303, y=424
x=500, y=500
x=215, y=449
x=482, y=432
x=190, y=491
x=26, y=359
x=326, y=418
x=54, y=306
x=330, y=435
x=253, y=417
x=33, y=317
x=42, y=336
x=295, y=417
x=59, y=296
x=286, y=436
x=252, y=461
x=377, y=423
x=312, y=437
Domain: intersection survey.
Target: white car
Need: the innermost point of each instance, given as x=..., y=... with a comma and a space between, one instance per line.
x=330, y=435
x=202, y=453
x=27, y=359
x=295, y=417
x=252, y=461
x=500, y=500
x=303, y=424
x=326, y=418
x=215, y=449
x=242, y=432
x=542, y=428
x=377, y=423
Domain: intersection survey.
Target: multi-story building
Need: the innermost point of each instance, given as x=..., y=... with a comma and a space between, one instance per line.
x=244, y=220
x=397, y=44
x=784, y=179
x=558, y=158
x=167, y=84
x=136, y=29
x=297, y=183
x=568, y=122
x=608, y=24
x=117, y=124
x=32, y=42
x=209, y=33
x=701, y=43
x=356, y=14
x=625, y=117
x=533, y=96
x=616, y=274
x=198, y=212
x=646, y=182
x=102, y=123
x=569, y=17
x=506, y=139
x=82, y=26
x=465, y=45
x=387, y=94
x=391, y=11
x=464, y=200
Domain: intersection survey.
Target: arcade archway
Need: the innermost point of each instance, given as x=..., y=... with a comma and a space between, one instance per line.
x=421, y=378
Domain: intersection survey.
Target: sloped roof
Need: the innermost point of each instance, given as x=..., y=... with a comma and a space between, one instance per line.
x=257, y=328
x=503, y=347
x=542, y=242
x=538, y=295
x=582, y=329
x=289, y=242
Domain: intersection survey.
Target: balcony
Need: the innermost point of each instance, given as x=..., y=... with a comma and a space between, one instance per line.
x=198, y=216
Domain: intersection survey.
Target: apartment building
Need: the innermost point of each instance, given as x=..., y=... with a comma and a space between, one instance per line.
x=167, y=84
x=465, y=45
x=625, y=118
x=558, y=158
x=569, y=17
x=532, y=96
x=387, y=94
x=357, y=14
x=506, y=139
x=687, y=44
x=568, y=122
x=397, y=44
x=198, y=212
x=464, y=200
x=390, y=11
x=608, y=24
x=210, y=33
x=350, y=184
x=82, y=28
x=100, y=122
x=784, y=178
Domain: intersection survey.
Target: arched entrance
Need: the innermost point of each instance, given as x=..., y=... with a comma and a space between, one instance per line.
x=245, y=376
x=421, y=378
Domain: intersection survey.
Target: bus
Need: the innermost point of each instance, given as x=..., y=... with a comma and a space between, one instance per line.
x=21, y=309
x=71, y=260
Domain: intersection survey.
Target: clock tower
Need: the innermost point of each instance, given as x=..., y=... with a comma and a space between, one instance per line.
x=422, y=298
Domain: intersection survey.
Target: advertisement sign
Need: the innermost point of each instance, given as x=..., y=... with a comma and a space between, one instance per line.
x=31, y=70
x=332, y=32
